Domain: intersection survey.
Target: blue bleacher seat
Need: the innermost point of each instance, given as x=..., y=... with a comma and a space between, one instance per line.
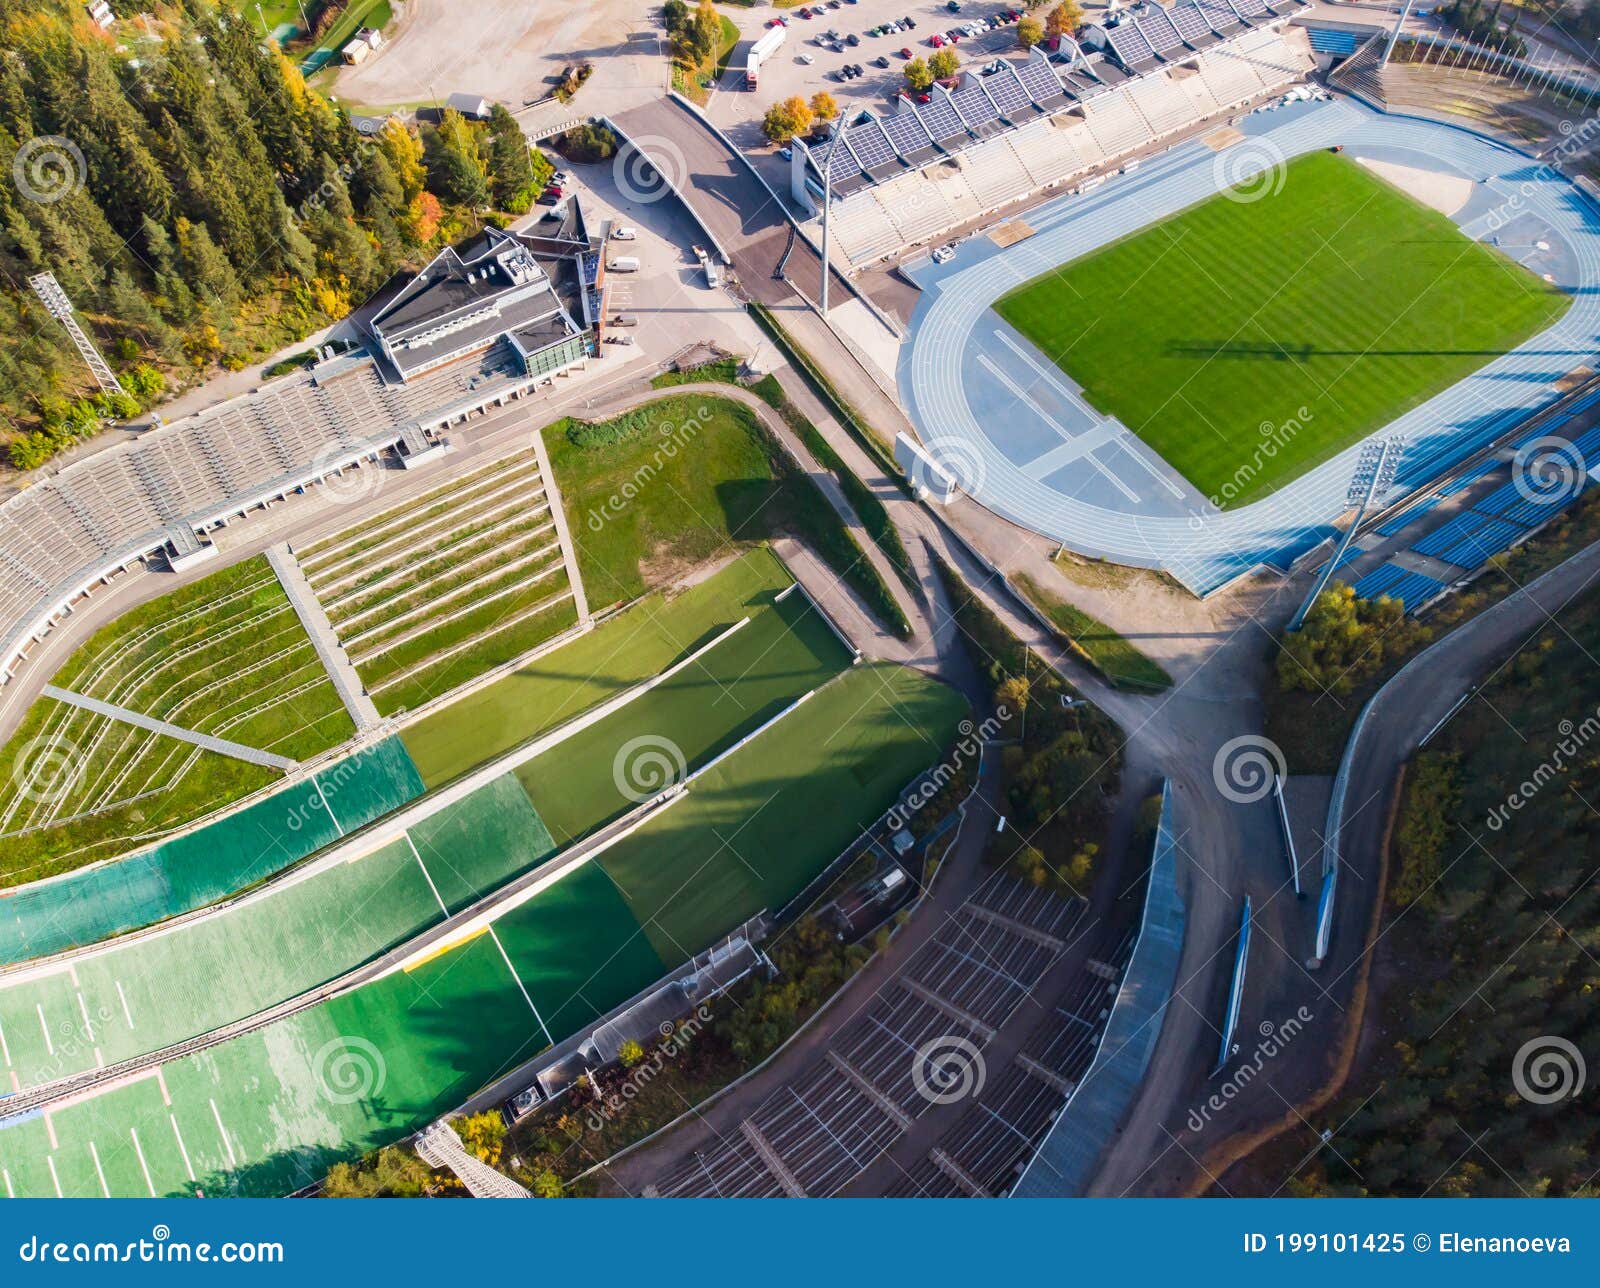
x=1469, y=478
x=1412, y=589
x=1409, y=515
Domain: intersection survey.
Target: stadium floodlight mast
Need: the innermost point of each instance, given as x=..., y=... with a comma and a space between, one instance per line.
x=827, y=200
x=1394, y=36
x=1374, y=475
x=59, y=307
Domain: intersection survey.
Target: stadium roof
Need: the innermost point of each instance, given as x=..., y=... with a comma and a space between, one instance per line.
x=914, y=135
x=499, y=285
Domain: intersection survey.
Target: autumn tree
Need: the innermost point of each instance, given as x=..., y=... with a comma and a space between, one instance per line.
x=918, y=74
x=787, y=118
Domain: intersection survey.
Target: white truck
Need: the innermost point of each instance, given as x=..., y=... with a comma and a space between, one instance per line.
x=709, y=267
x=770, y=42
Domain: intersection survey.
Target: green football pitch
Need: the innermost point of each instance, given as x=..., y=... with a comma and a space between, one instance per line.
x=1305, y=319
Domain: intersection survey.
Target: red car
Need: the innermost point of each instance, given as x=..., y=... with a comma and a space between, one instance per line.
x=924, y=98
x=905, y=53
x=936, y=40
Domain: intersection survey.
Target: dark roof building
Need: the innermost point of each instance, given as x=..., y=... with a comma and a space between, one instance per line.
x=538, y=292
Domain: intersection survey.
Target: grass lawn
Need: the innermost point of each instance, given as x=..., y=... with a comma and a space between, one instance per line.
x=1103, y=648
x=748, y=678
x=226, y=656
x=662, y=489
x=755, y=830
x=1330, y=307
x=632, y=646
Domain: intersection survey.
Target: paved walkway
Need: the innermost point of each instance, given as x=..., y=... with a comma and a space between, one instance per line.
x=558, y=512
x=335, y=661
x=222, y=746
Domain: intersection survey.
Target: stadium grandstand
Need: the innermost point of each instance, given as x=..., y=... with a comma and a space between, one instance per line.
x=1023, y=126
x=471, y=331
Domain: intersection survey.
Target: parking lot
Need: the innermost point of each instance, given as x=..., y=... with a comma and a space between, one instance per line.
x=739, y=111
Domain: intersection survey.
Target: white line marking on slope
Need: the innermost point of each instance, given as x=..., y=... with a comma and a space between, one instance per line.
x=520, y=987
x=98, y=1170
x=123, y=998
x=222, y=1131
x=426, y=875
x=182, y=1149
x=143, y=1166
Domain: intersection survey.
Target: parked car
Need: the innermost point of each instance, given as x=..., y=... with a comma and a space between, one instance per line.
x=880, y=61
x=624, y=234
x=852, y=40
x=807, y=59
x=936, y=40
x=910, y=23
x=924, y=97
x=907, y=54
x=954, y=6
x=786, y=153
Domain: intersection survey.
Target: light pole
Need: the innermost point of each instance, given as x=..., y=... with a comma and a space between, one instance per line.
x=827, y=200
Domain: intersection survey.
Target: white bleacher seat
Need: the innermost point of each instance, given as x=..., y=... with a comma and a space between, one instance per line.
x=994, y=174
x=1162, y=104
x=864, y=230
x=1229, y=75
x=918, y=205
x=1115, y=123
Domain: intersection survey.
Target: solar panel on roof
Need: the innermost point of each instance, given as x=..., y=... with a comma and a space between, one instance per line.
x=1040, y=81
x=1006, y=91
x=904, y=134
x=1188, y=20
x=941, y=119
x=1129, y=46
x=868, y=143
x=1252, y=8
x=1157, y=28
x=1220, y=15
x=974, y=105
